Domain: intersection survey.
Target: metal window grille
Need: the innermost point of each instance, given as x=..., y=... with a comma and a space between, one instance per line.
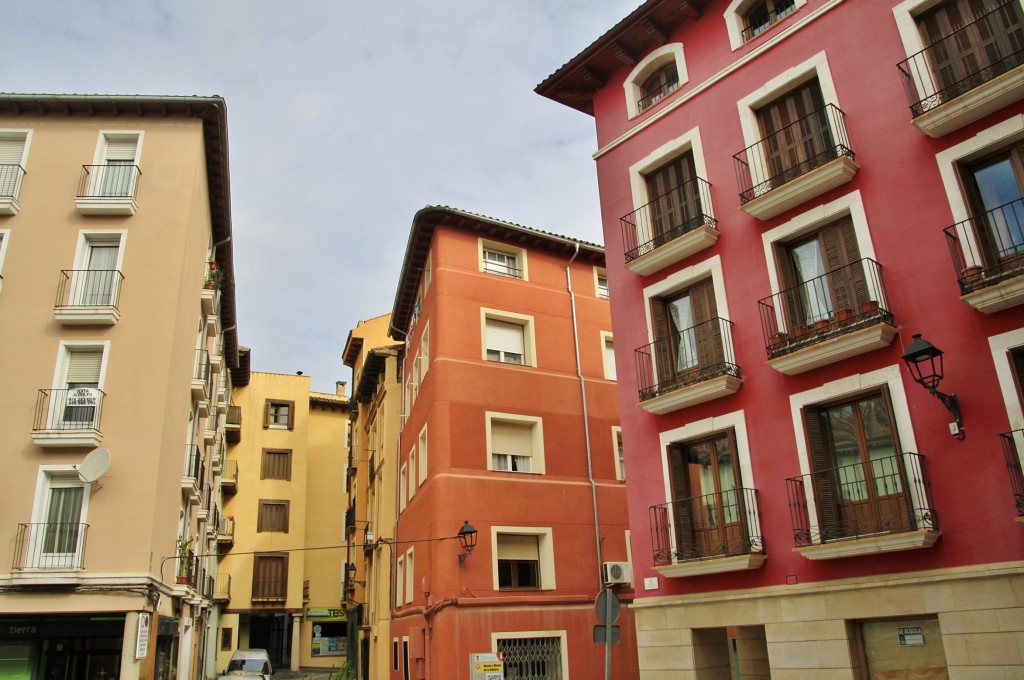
x=532, y=658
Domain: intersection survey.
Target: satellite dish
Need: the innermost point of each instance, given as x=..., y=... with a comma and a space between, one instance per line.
x=94, y=465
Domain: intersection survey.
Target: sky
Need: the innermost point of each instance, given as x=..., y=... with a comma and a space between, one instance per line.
x=344, y=119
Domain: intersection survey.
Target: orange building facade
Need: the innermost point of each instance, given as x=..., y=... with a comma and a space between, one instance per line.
x=510, y=423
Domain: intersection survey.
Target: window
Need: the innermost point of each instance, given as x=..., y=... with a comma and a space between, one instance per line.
x=503, y=260
x=76, y=398
x=403, y=487
x=608, y=354
x=747, y=19
x=534, y=655
x=675, y=206
x=279, y=415
x=56, y=537
x=394, y=654
x=424, y=353
x=995, y=192
x=620, y=454
x=226, y=637
x=796, y=133
x=5, y=237
x=524, y=558
x=400, y=580
x=658, y=75
x=273, y=516
x=601, y=283
x=1008, y=356
x=13, y=149
x=508, y=338
x=518, y=562
x=515, y=443
x=88, y=292
x=115, y=171
x=405, y=659
x=422, y=457
x=687, y=336
x=270, y=576
x=276, y=464
x=410, y=576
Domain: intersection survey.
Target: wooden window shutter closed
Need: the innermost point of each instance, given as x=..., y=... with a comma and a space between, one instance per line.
x=823, y=479
x=266, y=415
x=842, y=255
x=682, y=516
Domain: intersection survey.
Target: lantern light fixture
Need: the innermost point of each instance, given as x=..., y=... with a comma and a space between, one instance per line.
x=924, y=361
x=467, y=539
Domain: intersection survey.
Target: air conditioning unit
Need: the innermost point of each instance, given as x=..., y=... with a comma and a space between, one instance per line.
x=616, y=572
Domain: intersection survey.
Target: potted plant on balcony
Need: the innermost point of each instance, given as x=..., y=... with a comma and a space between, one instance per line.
x=184, y=558
x=213, y=277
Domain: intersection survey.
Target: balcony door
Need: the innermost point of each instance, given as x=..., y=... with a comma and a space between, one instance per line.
x=707, y=501
x=687, y=337
x=116, y=172
x=58, y=535
x=796, y=133
x=674, y=200
x=77, y=402
x=858, y=474
x=94, y=287
x=996, y=188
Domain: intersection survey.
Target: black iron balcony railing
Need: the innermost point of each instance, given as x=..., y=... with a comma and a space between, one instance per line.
x=350, y=520
x=114, y=180
x=988, y=248
x=842, y=301
x=792, y=152
x=502, y=269
x=269, y=588
x=761, y=22
x=202, y=369
x=50, y=545
x=10, y=179
x=78, y=408
x=652, y=98
x=195, y=468
x=701, y=527
x=1013, y=444
x=89, y=288
x=666, y=218
x=187, y=571
x=975, y=54
x=696, y=354
x=881, y=496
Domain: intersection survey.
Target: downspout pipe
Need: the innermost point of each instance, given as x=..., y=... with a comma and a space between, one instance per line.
x=586, y=416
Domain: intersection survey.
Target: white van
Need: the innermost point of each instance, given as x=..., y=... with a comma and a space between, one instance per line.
x=253, y=663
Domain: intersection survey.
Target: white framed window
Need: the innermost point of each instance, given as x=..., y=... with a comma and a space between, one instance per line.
x=608, y=355
x=13, y=155
x=412, y=472
x=601, y=283
x=508, y=337
x=620, y=453
x=77, y=397
x=747, y=19
x=1007, y=349
x=709, y=269
x=115, y=167
x=424, y=354
x=515, y=443
x=503, y=260
x=524, y=558
x=658, y=75
x=95, y=279
x=57, y=534
x=527, y=653
x=428, y=272
x=5, y=239
x=403, y=487
x=400, y=580
x=422, y=455
x=410, y=575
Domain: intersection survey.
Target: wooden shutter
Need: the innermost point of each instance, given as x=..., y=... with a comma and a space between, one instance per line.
x=84, y=366
x=787, y=143
x=823, y=480
x=682, y=515
x=661, y=350
x=842, y=258
x=273, y=516
x=672, y=193
x=266, y=414
x=708, y=333
x=270, y=576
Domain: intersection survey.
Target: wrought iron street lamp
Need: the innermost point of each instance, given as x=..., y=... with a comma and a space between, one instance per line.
x=924, y=360
x=467, y=539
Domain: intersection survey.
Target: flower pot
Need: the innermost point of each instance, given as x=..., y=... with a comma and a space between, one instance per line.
x=182, y=580
x=778, y=339
x=844, y=315
x=869, y=307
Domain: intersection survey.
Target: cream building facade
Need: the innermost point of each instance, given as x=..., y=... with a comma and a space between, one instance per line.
x=118, y=302
x=284, y=493
x=372, y=514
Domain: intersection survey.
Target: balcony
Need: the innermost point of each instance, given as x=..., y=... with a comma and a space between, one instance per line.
x=968, y=74
x=865, y=508
x=670, y=228
x=350, y=520
x=988, y=257
x=799, y=162
x=201, y=377
x=10, y=187
x=50, y=546
x=187, y=570
x=88, y=297
x=226, y=533
x=708, y=534
x=233, y=425
x=688, y=368
x=108, y=189
x=1013, y=444
x=194, y=474
x=269, y=589
x=826, y=319
x=68, y=417
x=222, y=588
x=229, y=477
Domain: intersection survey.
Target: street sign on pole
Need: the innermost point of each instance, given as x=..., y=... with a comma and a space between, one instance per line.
x=601, y=634
x=607, y=607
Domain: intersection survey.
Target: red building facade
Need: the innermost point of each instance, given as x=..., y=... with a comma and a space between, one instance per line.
x=510, y=423
x=790, y=190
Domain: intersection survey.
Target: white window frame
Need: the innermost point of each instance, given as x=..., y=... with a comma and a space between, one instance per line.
x=410, y=575
x=48, y=477
x=608, y=343
x=601, y=273
x=498, y=247
x=422, y=453
x=536, y=425
x=86, y=238
x=807, y=222
x=400, y=580
x=633, y=85
x=428, y=272
x=64, y=350
x=10, y=205
x=106, y=136
x=411, y=482
x=618, y=453
x=423, y=355
x=689, y=141
x=735, y=21
x=816, y=66
x=545, y=553
x=520, y=634
x=403, y=487
x=5, y=239
x=1000, y=346
x=529, y=338
x=851, y=386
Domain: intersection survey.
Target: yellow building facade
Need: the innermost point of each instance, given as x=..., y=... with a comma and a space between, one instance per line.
x=372, y=514
x=117, y=299
x=284, y=498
